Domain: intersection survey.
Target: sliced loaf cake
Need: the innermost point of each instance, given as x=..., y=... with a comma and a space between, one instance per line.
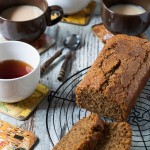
x=92, y=133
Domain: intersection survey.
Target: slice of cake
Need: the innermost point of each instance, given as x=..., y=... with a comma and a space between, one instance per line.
x=117, y=136
x=116, y=78
x=84, y=135
x=92, y=133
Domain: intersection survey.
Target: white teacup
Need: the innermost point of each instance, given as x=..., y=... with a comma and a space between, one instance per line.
x=17, y=89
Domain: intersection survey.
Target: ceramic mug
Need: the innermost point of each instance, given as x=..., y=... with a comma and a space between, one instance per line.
x=125, y=24
x=28, y=30
x=17, y=89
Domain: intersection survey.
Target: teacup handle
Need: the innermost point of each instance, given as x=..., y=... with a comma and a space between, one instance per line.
x=51, y=9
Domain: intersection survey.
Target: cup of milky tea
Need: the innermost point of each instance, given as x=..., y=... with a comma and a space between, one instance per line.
x=19, y=71
x=26, y=20
x=130, y=17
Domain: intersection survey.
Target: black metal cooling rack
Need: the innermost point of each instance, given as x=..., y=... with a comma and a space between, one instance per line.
x=62, y=113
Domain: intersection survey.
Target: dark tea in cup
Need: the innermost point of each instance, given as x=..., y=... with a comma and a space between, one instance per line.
x=19, y=71
x=10, y=69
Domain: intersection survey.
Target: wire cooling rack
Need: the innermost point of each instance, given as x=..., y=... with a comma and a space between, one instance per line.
x=62, y=113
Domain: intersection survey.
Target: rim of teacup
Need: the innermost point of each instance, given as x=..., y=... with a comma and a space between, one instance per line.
x=29, y=19
x=103, y=3
x=34, y=68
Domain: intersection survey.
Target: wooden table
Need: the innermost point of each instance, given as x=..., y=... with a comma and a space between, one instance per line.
x=90, y=47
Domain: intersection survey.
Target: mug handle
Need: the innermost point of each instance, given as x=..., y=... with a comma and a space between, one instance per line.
x=51, y=9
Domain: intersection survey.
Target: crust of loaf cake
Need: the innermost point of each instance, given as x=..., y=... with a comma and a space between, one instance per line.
x=84, y=135
x=116, y=78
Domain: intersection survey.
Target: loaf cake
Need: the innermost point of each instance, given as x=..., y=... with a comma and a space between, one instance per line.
x=114, y=81
x=84, y=135
x=92, y=133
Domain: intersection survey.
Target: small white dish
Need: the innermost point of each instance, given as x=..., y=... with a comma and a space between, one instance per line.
x=17, y=89
x=70, y=6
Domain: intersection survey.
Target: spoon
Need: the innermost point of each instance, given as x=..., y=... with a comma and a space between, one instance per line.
x=68, y=56
x=71, y=42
